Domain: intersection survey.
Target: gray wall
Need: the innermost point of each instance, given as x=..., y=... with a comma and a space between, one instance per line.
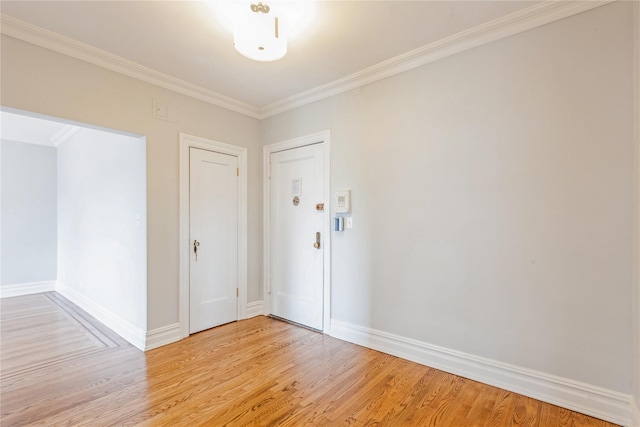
x=492, y=199
x=41, y=81
x=29, y=217
x=505, y=170
x=102, y=230
x=636, y=300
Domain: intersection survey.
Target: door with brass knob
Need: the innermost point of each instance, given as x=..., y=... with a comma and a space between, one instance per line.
x=296, y=249
x=213, y=229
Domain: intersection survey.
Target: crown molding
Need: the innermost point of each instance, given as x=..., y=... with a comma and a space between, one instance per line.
x=60, y=137
x=63, y=135
x=67, y=46
x=514, y=23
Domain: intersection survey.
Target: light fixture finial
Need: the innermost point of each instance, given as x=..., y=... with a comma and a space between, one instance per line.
x=264, y=8
x=258, y=35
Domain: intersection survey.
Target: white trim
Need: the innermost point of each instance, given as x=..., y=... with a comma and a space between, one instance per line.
x=117, y=324
x=635, y=414
x=596, y=401
x=320, y=137
x=64, y=134
x=254, y=309
x=67, y=46
x=19, y=289
x=186, y=142
x=40, y=143
x=514, y=23
x=162, y=336
x=67, y=122
x=635, y=280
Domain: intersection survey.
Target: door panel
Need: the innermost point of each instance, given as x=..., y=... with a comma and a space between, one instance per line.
x=213, y=229
x=297, y=182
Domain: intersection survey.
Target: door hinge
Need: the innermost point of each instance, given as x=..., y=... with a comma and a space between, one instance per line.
x=269, y=285
x=237, y=171
x=237, y=292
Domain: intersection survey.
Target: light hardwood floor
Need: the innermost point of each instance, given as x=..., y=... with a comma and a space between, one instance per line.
x=60, y=367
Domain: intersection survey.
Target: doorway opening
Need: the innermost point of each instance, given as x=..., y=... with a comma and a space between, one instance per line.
x=74, y=217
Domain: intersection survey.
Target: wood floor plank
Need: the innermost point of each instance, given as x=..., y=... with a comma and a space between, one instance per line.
x=389, y=402
x=61, y=367
x=548, y=415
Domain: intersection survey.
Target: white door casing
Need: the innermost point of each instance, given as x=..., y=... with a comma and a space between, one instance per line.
x=186, y=244
x=297, y=275
x=213, y=225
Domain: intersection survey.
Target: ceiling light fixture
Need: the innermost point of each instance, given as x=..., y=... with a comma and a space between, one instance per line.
x=259, y=34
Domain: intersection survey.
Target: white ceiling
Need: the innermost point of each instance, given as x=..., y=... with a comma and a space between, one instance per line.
x=186, y=40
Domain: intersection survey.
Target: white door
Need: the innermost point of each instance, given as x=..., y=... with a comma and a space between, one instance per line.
x=296, y=240
x=213, y=230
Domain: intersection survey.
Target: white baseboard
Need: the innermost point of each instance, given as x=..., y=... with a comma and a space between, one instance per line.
x=162, y=336
x=171, y=333
x=19, y=289
x=254, y=309
x=578, y=396
x=125, y=329
x=635, y=413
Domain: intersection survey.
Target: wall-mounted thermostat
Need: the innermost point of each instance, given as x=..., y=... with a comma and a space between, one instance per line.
x=343, y=201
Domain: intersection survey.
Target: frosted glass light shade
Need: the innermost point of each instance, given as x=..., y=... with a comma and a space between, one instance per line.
x=260, y=37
